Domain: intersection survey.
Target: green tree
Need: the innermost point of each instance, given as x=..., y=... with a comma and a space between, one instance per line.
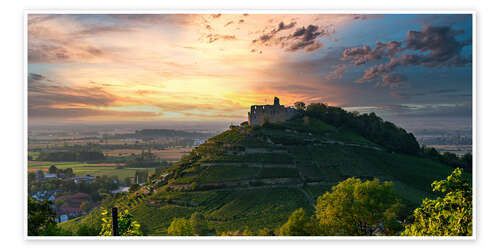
x=68, y=172
x=450, y=215
x=52, y=169
x=199, y=224
x=354, y=207
x=467, y=162
x=42, y=220
x=180, y=227
x=298, y=224
x=127, y=226
x=40, y=217
x=300, y=106
x=318, y=109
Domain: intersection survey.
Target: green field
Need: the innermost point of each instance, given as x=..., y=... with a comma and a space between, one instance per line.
x=95, y=169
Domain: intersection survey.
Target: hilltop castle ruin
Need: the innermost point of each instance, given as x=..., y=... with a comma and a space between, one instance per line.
x=270, y=113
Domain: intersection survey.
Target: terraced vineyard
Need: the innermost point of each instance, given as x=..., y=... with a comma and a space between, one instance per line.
x=254, y=177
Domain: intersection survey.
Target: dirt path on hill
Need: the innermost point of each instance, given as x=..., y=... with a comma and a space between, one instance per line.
x=308, y=197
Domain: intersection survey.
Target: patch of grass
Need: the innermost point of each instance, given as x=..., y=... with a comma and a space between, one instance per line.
x=316, y=191
x=278, y=173
x=227, y=173
x=270, y=158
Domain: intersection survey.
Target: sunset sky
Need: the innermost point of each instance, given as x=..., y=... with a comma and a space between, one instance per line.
x=415, y=70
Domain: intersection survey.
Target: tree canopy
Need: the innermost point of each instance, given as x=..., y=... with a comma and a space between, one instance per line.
x=298, y=224
x=450, y=215
x=354, y=207
x=127, y=226
x=198, y=224
x=180, y=227
x=42, y=219
x=370, y=126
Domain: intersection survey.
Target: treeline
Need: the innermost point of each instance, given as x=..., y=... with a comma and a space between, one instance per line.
x=447, y=158
x=155, y=133
x=97, y=190
x=370, y=126
x=73, y=155
x=105, y=146
x=143, y=160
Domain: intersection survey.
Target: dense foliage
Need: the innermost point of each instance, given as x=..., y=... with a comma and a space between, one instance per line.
x=450, y=215
x=198, y=224
x=370, y=126
x=143, y=160
x=42, y=219
x=298, y=224
x=352, y=208
x=180, y=227
x=98, y=189
x=127, y=226
x=450, y=159
x=74, y=155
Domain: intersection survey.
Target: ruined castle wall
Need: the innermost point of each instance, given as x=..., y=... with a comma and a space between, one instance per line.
x=259, y=114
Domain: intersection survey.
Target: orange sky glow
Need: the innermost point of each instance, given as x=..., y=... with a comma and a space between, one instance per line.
x=202, y=67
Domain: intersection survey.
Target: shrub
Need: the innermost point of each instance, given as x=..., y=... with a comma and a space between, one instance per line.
x=180, y=227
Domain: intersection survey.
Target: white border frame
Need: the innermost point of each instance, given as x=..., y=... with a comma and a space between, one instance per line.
x=250, y=11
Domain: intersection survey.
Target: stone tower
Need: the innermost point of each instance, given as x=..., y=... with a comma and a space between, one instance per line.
x=276, y=101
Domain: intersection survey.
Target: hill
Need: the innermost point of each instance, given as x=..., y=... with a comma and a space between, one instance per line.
x=255, y=176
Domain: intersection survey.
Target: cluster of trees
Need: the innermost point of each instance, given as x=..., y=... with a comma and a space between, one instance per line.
x=42, y=222
x=357, y=208
x=98, y=189
x=352, y=208
x=450, y=215
x=42, y=219
x=66, y=172
x=447, y=158
x=73, y=155
x=381, y=132
x=369, y=126
x=145, y=159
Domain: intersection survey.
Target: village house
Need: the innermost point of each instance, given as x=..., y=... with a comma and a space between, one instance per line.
x=87, y=178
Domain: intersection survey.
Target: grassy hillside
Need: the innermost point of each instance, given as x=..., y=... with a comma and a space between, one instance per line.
x=256, y=176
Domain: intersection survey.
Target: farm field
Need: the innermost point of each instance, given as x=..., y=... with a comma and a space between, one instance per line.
x=169, y=154
x=82, y=168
